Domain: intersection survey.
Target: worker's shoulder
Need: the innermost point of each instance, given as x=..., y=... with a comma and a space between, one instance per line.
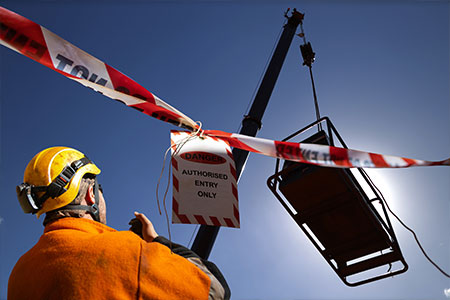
x=73, y=231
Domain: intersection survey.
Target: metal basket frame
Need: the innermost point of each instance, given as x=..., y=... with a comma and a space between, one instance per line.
x=274, y=181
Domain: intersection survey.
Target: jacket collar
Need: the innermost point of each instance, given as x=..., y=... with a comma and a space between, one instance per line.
x=80, y=224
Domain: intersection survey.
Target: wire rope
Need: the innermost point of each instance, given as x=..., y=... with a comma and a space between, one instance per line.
x=309, y=64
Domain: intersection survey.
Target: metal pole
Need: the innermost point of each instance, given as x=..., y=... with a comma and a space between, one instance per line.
x=251, y=123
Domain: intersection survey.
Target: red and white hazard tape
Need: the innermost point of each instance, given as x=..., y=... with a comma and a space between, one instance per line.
x=322, y=155
x=43, y=46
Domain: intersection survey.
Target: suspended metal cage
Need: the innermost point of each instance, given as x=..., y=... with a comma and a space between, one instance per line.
x=336, y=214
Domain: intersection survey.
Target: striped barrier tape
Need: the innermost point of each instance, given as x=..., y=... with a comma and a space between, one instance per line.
x=38, y=43
x=322, y=155
x=43, y=46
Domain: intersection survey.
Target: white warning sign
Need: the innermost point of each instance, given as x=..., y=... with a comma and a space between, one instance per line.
x=204, y=181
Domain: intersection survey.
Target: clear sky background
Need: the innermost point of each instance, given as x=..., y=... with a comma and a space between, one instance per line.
x=382, y=76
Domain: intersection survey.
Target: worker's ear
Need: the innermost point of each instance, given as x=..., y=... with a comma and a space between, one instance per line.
x=90, y=197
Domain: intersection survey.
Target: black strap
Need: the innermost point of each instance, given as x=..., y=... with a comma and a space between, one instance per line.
x=93, y=209
x=57, y=186
x=41, y=200
x=96, y=213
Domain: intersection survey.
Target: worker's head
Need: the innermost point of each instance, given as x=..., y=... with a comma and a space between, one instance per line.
x=61, y=181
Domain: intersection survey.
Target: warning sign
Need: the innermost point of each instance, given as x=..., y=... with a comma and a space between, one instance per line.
x=204, y=181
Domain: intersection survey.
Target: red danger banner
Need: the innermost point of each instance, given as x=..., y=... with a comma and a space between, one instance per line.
x=43, y=46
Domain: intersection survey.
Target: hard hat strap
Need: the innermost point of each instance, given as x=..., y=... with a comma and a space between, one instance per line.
x=56, y=187
x=27, y=193
x=93, y=209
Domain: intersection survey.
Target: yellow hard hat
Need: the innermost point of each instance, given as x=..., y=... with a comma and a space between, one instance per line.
x=52, y=179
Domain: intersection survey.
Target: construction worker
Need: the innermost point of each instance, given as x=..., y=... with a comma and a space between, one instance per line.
x=79, y=257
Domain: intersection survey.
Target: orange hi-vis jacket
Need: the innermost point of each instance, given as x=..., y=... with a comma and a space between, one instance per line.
x=83, y=259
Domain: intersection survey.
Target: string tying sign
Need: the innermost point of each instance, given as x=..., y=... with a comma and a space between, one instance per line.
x=204, y=181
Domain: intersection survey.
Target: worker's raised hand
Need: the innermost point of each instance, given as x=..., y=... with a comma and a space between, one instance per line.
x=148, y=231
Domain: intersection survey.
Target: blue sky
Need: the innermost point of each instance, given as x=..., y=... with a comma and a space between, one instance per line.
x=382, y=76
